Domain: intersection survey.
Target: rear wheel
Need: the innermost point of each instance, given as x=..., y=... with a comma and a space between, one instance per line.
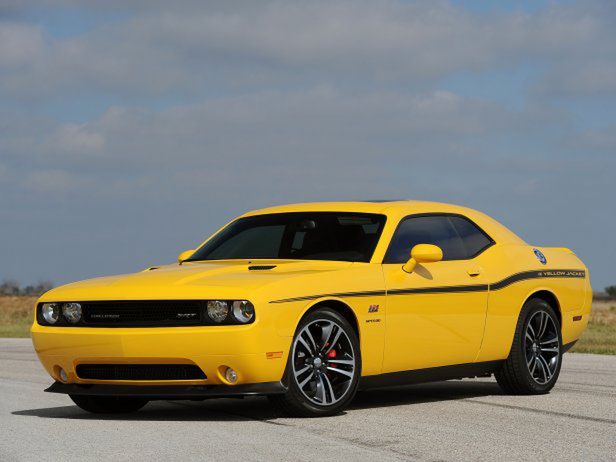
x=535, y=359
x=108, y=404
x=323, y=368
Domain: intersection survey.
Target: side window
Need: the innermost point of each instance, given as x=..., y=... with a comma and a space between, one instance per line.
x=436, y=230
x=475, y=240
x=458, y=238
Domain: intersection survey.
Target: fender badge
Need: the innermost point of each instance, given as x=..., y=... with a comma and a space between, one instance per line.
x=540, y=256
x=373, y=309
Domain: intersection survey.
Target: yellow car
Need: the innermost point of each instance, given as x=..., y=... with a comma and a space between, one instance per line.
x=306, y=303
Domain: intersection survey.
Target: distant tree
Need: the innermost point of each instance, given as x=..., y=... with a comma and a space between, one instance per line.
x=611, y=291
x=9, y=287
x=42, y=287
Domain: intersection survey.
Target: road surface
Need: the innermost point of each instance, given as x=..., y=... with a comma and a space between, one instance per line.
x=457, y=420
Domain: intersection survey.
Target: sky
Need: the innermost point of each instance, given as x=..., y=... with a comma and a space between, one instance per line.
x=130, y=130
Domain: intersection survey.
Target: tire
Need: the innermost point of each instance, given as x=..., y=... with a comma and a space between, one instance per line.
x=324, y=383
x=108, y=404
x=534, y=361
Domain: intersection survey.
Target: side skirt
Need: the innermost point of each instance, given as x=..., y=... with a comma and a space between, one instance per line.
x=432, y=374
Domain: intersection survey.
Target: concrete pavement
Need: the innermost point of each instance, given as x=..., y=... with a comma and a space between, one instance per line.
x=457, y=420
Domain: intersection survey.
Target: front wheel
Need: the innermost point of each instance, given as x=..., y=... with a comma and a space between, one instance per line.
x=108, y=404
x=323, y=368
x=534, y=362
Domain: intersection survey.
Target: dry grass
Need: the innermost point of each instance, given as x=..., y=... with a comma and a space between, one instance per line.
x=16, y=315
x=600, y=336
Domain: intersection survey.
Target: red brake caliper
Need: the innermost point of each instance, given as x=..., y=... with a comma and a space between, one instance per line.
x=332, y=354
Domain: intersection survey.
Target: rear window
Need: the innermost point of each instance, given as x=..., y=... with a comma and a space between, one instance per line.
x=475, y=240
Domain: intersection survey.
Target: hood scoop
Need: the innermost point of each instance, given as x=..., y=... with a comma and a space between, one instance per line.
x=261, y=267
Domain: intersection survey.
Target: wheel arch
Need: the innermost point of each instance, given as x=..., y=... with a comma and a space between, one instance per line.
x=550, y=298
x=340, y=307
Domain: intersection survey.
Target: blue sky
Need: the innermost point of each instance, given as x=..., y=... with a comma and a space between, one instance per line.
x=130, y=130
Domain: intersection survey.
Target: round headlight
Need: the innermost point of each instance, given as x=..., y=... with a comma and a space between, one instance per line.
x=243, y=311
x=72, y=312
x=217, y=310
x=50, y=312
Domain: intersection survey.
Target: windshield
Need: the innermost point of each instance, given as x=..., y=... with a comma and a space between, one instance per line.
x=302, y=235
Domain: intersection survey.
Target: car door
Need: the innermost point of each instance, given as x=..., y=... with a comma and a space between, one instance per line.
x=436, y=314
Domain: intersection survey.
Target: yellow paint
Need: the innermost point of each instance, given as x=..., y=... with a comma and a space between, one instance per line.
x=409, y=331
x=185, y=255
x=422, y=253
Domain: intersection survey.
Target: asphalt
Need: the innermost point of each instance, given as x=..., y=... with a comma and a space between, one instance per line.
x=457, y=420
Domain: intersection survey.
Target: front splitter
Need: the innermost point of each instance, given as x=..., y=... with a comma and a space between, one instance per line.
x=169, y=391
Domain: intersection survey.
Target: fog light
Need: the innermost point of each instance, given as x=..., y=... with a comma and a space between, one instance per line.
x=231, y=375
x=63, y=375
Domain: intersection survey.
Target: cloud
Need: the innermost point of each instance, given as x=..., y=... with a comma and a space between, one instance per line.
x=580, y=78
x=50, y=181
x=75, y=138
x=601, y=141
x=262, y=129
x=150, y=123
x=20, y=45
x=164, y=50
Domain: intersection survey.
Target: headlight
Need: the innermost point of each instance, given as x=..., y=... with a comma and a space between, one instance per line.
x=50, y=312
x=243, y=311
x=72, y=312
x=217, y=310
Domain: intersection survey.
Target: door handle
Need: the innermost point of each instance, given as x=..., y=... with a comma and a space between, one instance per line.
x=473, y=272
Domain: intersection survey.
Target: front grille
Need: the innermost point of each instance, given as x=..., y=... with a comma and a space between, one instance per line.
x=140, y=372
x=143, y=313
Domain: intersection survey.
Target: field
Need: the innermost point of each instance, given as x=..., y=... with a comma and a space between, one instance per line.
x=16, y=314
x=600, y=337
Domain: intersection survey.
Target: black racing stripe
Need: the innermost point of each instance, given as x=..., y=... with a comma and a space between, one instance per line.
x=450, y=289
x=537, y=275
x=439, y=290
x=342, y=294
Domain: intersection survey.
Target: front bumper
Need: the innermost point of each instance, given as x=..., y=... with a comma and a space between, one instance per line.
x=170, y=391
x=247, y=349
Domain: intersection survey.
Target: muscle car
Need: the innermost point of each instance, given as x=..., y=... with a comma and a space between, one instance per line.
x=307, y=303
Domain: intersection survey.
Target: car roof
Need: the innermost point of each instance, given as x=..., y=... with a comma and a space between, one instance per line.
x=366, y=206
x=397, y=209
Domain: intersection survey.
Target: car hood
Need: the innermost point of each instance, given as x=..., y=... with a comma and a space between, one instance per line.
x=193, y=280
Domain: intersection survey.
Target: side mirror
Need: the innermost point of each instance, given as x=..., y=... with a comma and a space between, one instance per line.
x=185, y=255
x=423, y=253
